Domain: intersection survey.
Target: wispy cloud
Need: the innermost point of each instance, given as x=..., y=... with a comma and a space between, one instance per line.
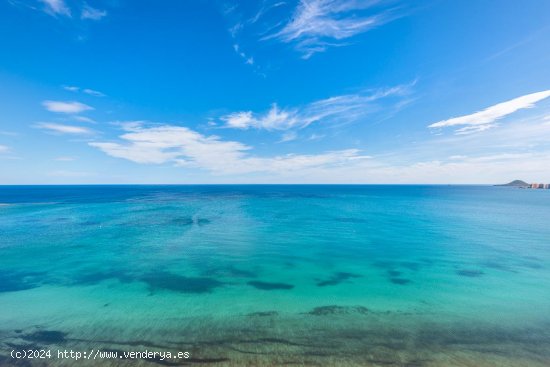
x=8, y=133
x=63, y=129
x=288, y=136
x=71, y=107
x=92, y=92
x=82, y=119
x=319, y=24
x=91, y=13
x=4, y=149
x=184, y=147
x=342, y=108
x=63, y=8
x=249, y=60
x=485, y=119
x=56, y=7
x=71, y=88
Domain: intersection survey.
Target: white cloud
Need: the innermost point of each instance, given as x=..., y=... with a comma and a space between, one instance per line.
x=4, y=149
x=66, y=107
x=319, y=24
x=342, y=108
x=91, y=13
x=83, y=119
x=55, y=7
x=274, y=119
x=187, y=148
x=93, y=92
x=71, y=88
x=474, y=129
x=63, y=129
x=484, y=120
x=288, y=136
x=249, y=60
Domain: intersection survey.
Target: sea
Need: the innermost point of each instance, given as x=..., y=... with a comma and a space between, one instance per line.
x=274, y=275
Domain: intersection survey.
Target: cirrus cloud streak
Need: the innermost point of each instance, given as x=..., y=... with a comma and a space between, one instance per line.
x=184, y=147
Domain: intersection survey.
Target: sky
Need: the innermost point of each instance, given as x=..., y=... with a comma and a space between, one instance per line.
x=274, y=91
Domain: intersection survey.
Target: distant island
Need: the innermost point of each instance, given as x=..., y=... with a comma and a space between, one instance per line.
x=516, y=183
x=524, y=185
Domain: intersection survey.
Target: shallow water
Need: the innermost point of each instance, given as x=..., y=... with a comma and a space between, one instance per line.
x=278, y=275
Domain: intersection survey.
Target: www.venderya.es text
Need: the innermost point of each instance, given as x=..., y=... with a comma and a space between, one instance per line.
x=96, y=354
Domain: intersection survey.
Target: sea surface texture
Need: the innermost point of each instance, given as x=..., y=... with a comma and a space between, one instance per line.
x=277, y=275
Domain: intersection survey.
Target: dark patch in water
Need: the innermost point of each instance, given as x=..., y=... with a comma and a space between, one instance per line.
x=263, y=314
x=289, y=265
x=400, y=281
x=267, y=286
x=394, y=273
x=47, y=336
x=179, y=283
x=338, y=310
x=24, y=346
x=532, y=265
x=96, y=277
x=12, y=281
x=470, y=273
x=337, y=278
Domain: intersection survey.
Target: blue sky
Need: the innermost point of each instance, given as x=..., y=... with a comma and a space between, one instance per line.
x=317, y=91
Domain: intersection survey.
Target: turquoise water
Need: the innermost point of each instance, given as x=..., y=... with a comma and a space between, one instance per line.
x=278, y=275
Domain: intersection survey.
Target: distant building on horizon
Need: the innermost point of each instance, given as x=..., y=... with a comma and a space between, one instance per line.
x=539, y=186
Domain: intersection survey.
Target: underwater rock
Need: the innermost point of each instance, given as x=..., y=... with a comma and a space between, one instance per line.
x=338, y=310
x=96, y=277
x=46, y=336
x=394, y=273
x=18, y=281
x=263, y=314
x=180, y=283
x=337, y=278
x=400, y=281
x=470, y=273
x=267, y=286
